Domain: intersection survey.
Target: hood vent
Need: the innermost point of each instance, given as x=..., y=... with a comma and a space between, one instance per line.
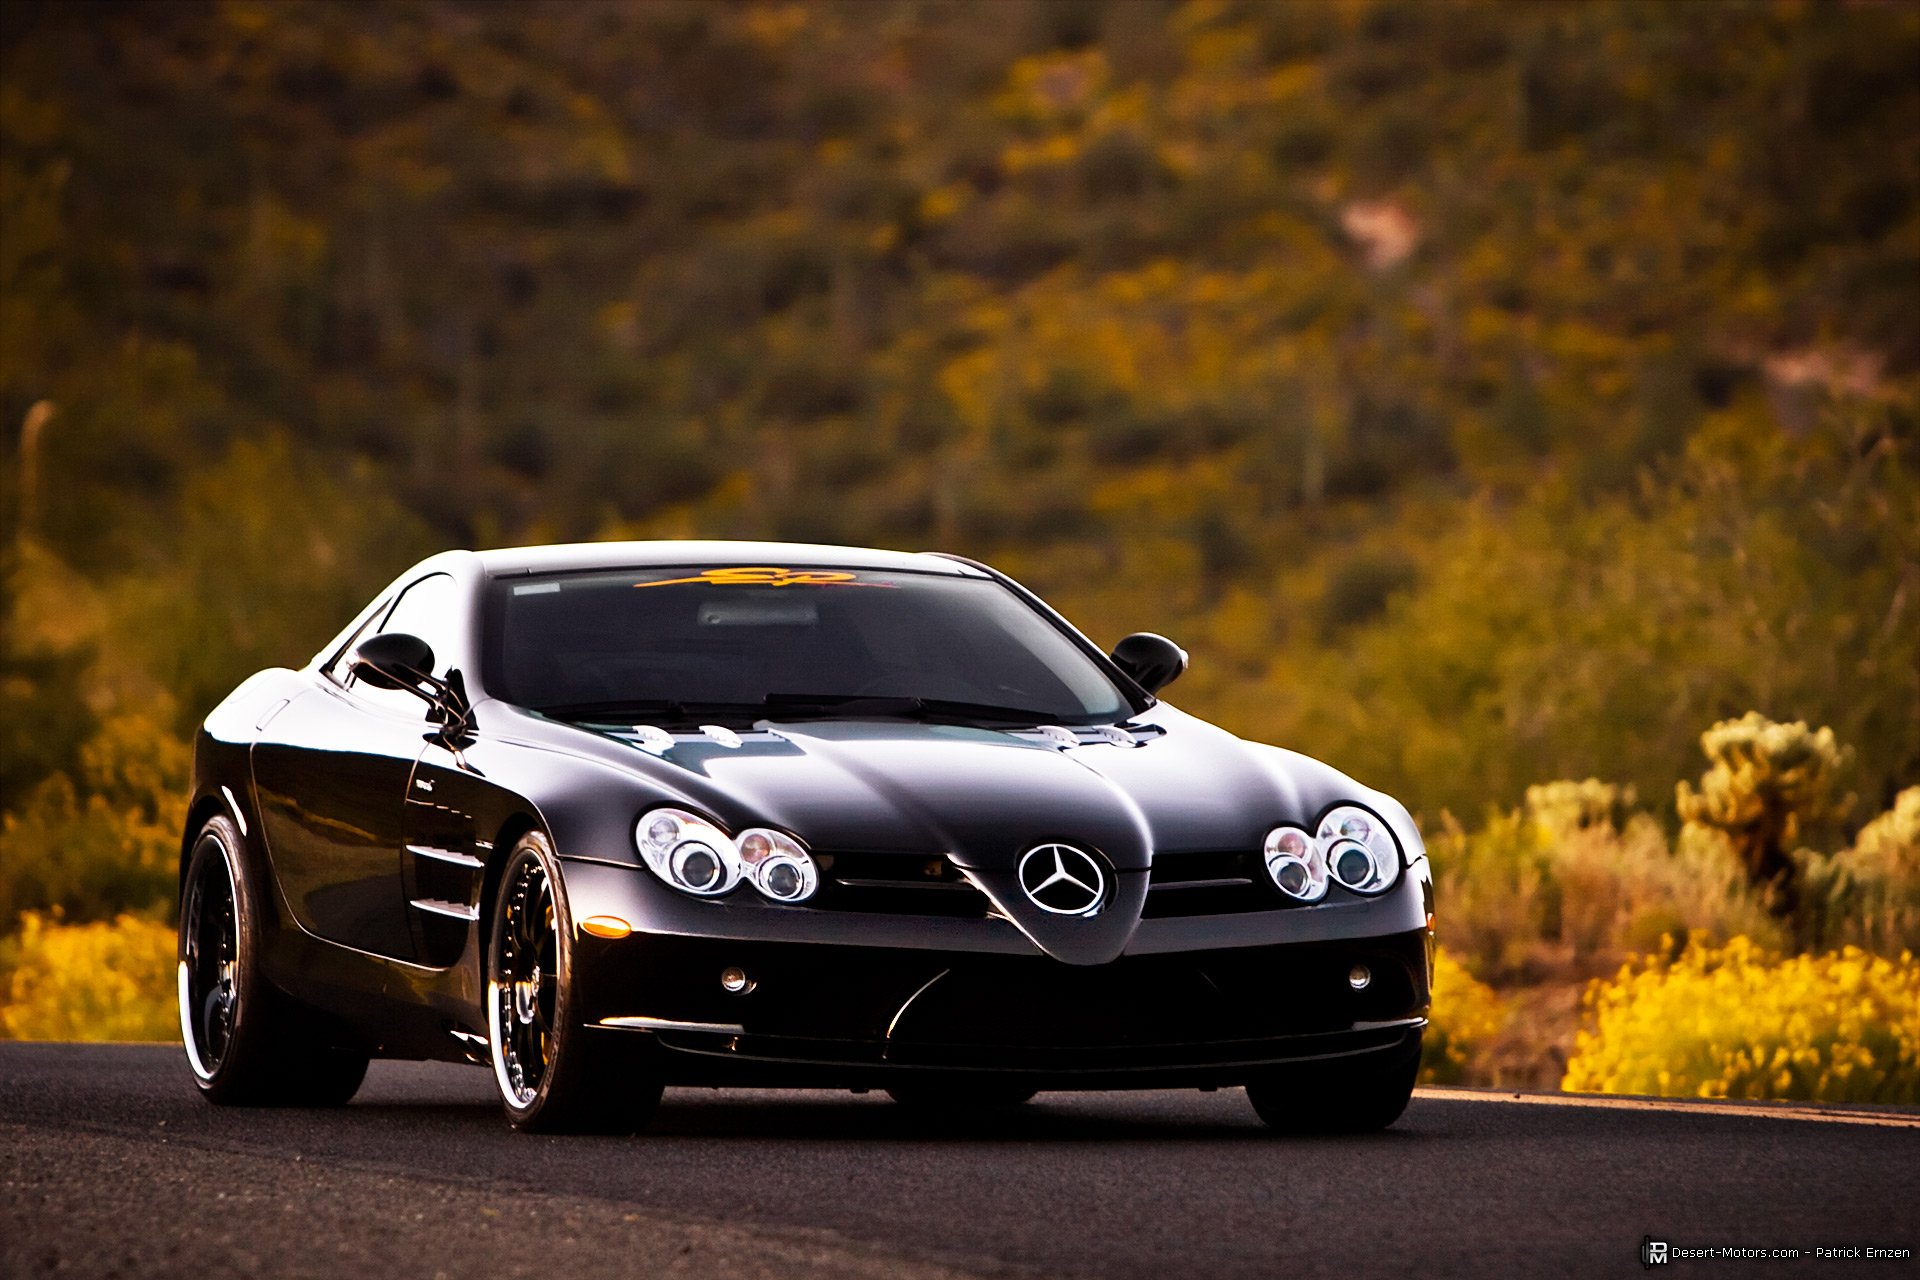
x=1113, y=735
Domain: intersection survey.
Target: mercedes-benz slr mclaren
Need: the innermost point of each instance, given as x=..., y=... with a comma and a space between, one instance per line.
x=607, y=818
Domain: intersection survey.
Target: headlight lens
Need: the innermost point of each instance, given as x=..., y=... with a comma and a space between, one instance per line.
x=778, y=865
x=688, y=852
x=1360, y=849
x=1296, y=864
x=693, y=855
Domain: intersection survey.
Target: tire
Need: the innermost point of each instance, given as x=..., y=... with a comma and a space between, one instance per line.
x=247, y=1043
x=554, y=1074
x=1349, y=1098
x=946, y=1094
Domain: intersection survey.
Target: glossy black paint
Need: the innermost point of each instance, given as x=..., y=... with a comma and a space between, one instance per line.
x=392, y=660
x=1152, y=660
x=383, y=823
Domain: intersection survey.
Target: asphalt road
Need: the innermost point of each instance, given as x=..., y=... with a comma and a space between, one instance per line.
x=111, y=1166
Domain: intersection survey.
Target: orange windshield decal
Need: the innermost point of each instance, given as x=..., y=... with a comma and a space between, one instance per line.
x=765, y=576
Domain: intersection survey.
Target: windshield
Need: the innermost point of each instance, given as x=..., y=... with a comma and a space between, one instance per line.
x=693, y=643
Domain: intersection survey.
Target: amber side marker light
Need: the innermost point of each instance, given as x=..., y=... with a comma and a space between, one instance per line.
x=606, y=926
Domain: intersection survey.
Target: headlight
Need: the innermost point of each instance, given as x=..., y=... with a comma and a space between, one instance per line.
x=1296, y=864
x=778, y=866
x=688, y=852
x=1360, y=850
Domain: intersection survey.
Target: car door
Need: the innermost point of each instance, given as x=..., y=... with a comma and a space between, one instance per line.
x=332, y=772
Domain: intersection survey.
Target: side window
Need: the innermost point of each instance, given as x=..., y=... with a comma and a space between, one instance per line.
x=426, y=609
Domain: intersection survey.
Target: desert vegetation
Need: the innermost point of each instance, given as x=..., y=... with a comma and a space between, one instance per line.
x=1486, y=394
x=1584, y=947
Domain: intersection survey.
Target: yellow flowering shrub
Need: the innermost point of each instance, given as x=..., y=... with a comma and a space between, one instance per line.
x=1467, y=1016
x=98, y=981
x=1742, y=1022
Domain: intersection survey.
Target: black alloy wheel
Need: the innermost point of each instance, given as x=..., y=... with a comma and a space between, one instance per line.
x=247, y=1043
x=554, y=1075
x=526, y=987
x=209, y=958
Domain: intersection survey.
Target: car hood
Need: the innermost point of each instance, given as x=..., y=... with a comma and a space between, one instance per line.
x=1164, y=782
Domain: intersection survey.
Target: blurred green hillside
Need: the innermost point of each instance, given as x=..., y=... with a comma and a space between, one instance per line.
x=1485, y=394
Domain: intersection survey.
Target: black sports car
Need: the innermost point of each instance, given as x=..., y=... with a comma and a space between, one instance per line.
x=615, y=816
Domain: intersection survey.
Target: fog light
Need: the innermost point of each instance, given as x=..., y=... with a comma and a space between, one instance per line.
x=1359, y=977
x=734, y=980
x=606, y=926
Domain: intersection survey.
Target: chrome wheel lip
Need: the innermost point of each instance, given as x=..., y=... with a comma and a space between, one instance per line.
x=522, y=994
x=195, y=1004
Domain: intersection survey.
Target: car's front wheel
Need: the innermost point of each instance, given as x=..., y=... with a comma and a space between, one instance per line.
x=554, y=1075
x=248, y=1043
x=1350, y=1097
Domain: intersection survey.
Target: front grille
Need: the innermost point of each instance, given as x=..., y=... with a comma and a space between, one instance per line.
x=906, y=884
x=1212, y=883
x=1222, y=882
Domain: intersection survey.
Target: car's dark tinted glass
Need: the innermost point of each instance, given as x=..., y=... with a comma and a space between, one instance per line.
x=580, y=643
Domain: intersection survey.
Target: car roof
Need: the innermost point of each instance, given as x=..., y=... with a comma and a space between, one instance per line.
x=566, y=557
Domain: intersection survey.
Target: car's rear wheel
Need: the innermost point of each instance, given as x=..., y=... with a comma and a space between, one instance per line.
x=554, y=1075
x=1346, y=1097
x=247, y=1043
x=945, y=1094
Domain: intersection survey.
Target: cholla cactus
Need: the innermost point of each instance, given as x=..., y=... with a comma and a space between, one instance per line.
x=1890, y=844
x=1767, y=785
x=1559, y=809
x=1870, y=894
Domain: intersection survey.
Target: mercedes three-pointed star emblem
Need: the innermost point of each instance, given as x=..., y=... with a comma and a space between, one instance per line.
x=1063, y=881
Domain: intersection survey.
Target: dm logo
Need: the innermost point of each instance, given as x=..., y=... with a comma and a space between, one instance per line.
x=1653, y=1253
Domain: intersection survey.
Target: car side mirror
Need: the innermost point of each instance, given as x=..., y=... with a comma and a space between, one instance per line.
x=393, y=660
x=1152, y=661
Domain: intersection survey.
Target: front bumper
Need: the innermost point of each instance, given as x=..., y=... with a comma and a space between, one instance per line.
x=850, y=1003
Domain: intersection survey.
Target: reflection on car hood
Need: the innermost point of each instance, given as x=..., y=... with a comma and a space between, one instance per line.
x=984, y=797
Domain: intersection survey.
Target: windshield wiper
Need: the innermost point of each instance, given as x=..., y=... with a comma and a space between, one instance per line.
x=797, y=705
x=629, y=710
x=803, y=706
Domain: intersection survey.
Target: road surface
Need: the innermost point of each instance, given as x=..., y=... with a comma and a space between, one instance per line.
x=110, y=1165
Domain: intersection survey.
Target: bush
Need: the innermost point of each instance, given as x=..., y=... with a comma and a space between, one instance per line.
x=1622, y=891
x=1560, y=809
x=1741, y=1022
x=1575, y=884
x=114, y=846
x=96, y=981
x=1467, y=1017
x=1492, y=891
x=1869, y=895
